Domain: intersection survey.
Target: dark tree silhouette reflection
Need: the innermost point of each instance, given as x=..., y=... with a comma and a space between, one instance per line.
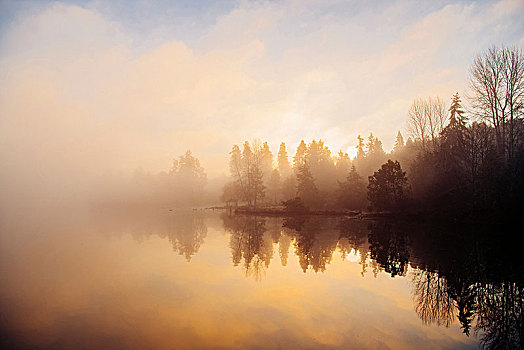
x=388, y=245
x=433, y=303
x=457, y=273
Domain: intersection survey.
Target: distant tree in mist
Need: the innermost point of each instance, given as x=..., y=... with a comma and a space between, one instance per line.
x=183, y=185
x=231, y=193
x=283, y=161
x=352, y=191
x=342, y=164
x=188, y=169
x=300, y=155
x=246, y=169
x=360, y=148
x=321, y=165
x=274, y=187
x=188, y=179
x=306, y=188
x=399, y=143
x=266, y=162
x=287, y=177
x=370, y=155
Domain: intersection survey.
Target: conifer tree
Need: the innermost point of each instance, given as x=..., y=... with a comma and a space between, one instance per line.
x=456, y=114
x=352, y=191
x=300, y=156
x=274, y=186
x=306, y=188
x=371, y=143
x=399, y=142
x=266, y=161
x=360, y=148
x=283, y=161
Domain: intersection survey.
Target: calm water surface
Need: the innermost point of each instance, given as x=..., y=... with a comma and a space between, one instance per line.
x=197, y=279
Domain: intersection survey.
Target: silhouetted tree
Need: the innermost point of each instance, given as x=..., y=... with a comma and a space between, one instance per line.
x=389, y=246
x=388, y=187
x=426, y=119
x=497, y=81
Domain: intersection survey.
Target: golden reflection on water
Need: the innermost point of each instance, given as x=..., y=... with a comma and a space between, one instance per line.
x=133, y=283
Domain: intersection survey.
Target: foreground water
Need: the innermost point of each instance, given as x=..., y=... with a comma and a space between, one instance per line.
x=196, y=279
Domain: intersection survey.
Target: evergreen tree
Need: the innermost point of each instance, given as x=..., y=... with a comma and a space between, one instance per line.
x=283, y=161
x=274, y=186
x=289, y=187
x=343, y=165
x=238, y=174
x=300, y=156
x=360, y=148
x=456, y=114
x=188, y=167
x=189, y=178
x=452, y=153
x=247, y=169
x=399, y=143
x=306, y=188
x=352, y=191
x=266, y=161
x=377, y=148
x=371, y=144
x=257, y=187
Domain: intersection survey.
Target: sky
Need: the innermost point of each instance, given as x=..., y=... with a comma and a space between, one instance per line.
x=97, y=87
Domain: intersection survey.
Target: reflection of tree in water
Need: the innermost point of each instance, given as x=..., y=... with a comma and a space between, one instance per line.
x=185, y=229
x=315, y=241
x=479, y=280
x=433, y=303
x=249, y=243
x=500, y=315
x=187, y=233
x=354, y=237
x=389, y=246
x=497, y=308
x=457, y=273
x=281, y=236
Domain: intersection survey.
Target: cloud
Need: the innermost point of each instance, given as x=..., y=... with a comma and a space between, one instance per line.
x=83, y=92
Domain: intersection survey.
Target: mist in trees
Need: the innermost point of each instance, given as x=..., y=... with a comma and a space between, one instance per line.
x=183, y=185
x=458, y=157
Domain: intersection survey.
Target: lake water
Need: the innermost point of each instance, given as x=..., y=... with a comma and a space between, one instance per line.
x=205, y=280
